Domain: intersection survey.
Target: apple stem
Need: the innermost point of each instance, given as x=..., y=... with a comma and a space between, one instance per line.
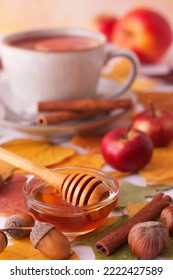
x=153, y=111
x=127, y=131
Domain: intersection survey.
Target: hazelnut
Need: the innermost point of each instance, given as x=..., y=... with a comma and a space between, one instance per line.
x=148, y=239
x=166, y=217
x=18, y=222
x=3, y=241
x=50, y=242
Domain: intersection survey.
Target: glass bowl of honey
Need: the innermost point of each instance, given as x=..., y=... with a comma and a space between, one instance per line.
x=48, y=205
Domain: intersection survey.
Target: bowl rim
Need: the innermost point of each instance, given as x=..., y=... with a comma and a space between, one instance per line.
x=79, y=209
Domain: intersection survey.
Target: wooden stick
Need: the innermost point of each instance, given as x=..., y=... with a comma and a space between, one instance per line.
x=101, y=105
x=93, y=189
x=42, y=172
x=117, y=238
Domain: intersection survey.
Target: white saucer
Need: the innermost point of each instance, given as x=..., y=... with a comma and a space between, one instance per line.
x=11, y=120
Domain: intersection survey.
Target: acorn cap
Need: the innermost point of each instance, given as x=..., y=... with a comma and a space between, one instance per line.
x=13, y=222
x=39, y=231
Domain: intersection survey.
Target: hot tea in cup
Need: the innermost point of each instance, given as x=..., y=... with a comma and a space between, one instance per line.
x=57, y=43
x=56, y=64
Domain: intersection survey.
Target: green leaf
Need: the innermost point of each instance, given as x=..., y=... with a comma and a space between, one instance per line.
x=123, y=253
x=134, y=193
x=168, y=252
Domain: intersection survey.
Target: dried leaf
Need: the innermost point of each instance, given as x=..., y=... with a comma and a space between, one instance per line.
x=11, y=196
x=133, y=193
x=40, y=151
x=133, y=208
x=6, y=170
x=141, y=84
x=85, y=160
x=117, y=71
x=161, y=100
x=90, y=143
x=168, y=252
x=23, y=250
x=160, y=168
x=119, y=174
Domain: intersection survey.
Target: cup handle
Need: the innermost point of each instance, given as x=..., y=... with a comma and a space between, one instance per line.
x=133, y=73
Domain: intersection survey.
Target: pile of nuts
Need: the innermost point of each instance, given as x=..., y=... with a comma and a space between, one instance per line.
x=52, y=243
x=148, y=239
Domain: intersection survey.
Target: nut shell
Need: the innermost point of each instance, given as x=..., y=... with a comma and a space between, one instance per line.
x=39, y=231
x=3, y=241
x=148, y=239
x=166, y=217
x=51, y=243
x=18, y=220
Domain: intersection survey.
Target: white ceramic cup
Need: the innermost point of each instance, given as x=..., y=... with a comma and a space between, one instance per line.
x=39, y=76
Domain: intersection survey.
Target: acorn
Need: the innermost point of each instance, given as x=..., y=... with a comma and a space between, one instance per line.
x=52, y=243
x=3, y=241
x=148, y=239
x=19, y=225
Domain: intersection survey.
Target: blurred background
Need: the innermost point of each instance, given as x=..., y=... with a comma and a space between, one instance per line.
x=22, y=15
x=18, y=15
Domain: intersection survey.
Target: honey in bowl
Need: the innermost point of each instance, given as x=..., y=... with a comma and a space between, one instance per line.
x=47, y=205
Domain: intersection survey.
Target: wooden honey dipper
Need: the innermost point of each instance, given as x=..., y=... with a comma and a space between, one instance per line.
x=77, y=188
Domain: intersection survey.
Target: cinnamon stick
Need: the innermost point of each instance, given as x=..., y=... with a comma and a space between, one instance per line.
x=117, y=238
x=85, y=105
x=61, y=116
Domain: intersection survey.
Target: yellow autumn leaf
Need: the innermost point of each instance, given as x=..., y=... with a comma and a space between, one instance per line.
x=120, y=70
x=133, y=208
x=117, y=70
x=90, y=143
x=40, y=151
x=141, y=84
x=22, y=249
x=85, y=160
x=6, y=170
x=160, y=168
x=119, y=174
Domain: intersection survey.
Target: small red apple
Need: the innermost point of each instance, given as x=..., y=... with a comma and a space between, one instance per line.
x=126, y=149
x=157, y=124
x=106, y=24
x=144, y=31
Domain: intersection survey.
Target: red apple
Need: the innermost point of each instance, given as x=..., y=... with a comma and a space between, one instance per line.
x=145, y=32
x=106, y=24
x=157, y=124
x=126, y=149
